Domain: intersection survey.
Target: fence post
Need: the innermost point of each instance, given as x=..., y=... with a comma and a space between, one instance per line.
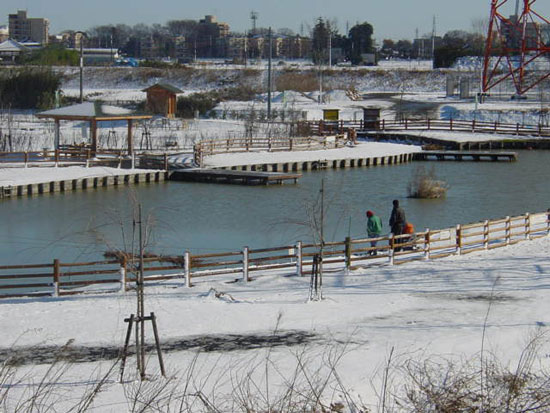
x=527, y=226
x=508, y=230
x=26, y=158
x=123, y=275
x=56, y=157
x=451, y=124
x=486, y=234
x=427, y=244
x=383, y=124
x=458, y=239
x=299, y=259
x=474, y=125
x=165, y=161
x=290, y=144
x=245, y=264
x=56, y=278
x=392, y=246
x=517, y=128
x=347, y=251
x=187, y=269
x=428, y=123
x=406, y=124
x=548, y=222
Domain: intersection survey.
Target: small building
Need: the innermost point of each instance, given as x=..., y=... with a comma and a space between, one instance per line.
x=161, y=99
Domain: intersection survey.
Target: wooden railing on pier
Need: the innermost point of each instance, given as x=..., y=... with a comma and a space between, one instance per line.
x=62, y=157
x=217, y=146
x=474, y=126
x=58, y=279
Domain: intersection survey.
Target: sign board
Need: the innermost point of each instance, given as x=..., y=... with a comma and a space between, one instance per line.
x=331, y=114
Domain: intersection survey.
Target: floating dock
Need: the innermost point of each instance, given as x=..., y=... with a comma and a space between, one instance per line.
x=476, y=156
x=233, y=177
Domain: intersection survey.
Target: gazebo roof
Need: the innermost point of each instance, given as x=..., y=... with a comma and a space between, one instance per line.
x=11, y=46
x=165, y=86
x=91, y=111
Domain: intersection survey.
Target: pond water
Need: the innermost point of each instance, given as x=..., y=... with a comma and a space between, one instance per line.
x=81, y=226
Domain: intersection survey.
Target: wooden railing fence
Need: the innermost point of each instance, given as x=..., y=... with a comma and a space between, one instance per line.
x=62, y=157
x=59, y=279
x=217, y=146
x=330, y=127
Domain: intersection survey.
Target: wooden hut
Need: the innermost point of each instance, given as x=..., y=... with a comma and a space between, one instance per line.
x=161, y=99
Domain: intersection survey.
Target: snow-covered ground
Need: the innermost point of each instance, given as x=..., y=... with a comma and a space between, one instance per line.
x=447, y=308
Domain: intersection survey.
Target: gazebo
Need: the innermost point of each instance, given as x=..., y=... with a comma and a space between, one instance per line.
x=161, y=99
x=92, y=112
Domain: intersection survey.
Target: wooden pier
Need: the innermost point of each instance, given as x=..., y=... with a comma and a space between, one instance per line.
x=465, y=155
x=233, y=177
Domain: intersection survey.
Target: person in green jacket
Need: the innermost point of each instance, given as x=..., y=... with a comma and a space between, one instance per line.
x=374, y=229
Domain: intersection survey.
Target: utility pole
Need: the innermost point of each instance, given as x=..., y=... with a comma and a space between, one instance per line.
x=269, y=76
x=82, y=35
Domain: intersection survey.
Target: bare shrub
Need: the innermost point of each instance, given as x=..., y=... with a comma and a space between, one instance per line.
x=446, y=386
x=425, y=184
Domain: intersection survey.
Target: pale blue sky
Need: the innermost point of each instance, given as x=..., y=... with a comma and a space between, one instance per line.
x=396, y=19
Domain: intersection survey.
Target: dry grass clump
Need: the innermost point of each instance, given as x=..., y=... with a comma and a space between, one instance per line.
x=425, y=185
x=297, y=81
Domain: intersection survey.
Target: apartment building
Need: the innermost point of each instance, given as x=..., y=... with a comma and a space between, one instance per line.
x=23, y=28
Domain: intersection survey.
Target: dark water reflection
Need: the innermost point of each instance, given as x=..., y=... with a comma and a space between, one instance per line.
x=206, y=217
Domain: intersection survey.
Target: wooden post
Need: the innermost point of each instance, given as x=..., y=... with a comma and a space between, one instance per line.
x=517, y=128
x=165, y=161
x=458, y=239
x=428, y=123
x=291, y=143
x=427, y=244
x=187, y=269
x=157, y=344
x=93, y=127
x=527, y=226
x=26, y=157
x=548, y=222
x=486, y=234
x=56, y=278
x=130, y=141
x=299, y=272
x=406, y=124
x=245, y=264
x=508, y=230
x=56, y=157
x=57, y=134
x=474, y=125
x=347, y=251
x=392, y=246
x=123, y=266
x=383, y=124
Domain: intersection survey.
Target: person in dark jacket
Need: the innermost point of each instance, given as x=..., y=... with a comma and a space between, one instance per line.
x=397, y=219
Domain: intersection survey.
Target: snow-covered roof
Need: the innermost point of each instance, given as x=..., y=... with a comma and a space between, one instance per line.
x=91, y=110
x=11, y=46
x=164, y=86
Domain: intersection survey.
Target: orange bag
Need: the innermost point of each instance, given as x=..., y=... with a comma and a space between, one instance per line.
x=409, y=228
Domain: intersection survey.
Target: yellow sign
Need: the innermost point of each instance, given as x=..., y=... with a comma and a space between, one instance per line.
x=331, y=114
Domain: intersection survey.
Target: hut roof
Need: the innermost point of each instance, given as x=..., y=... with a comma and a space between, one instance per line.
x=164, y=86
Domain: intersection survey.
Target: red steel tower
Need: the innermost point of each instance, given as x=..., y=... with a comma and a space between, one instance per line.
x=514, y=44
